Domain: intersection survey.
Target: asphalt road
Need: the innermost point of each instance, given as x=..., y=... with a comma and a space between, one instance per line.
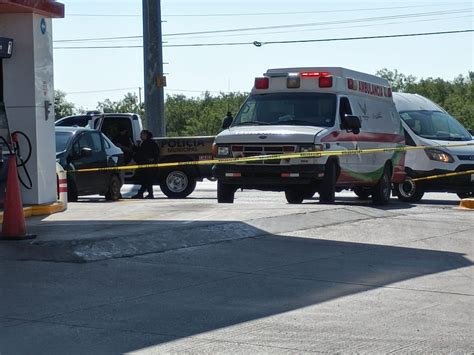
x=258, y=276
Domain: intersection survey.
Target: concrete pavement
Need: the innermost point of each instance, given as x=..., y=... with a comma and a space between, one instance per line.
x=259, y=276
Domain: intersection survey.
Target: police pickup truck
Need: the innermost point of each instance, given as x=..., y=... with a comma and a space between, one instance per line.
x=175, y=182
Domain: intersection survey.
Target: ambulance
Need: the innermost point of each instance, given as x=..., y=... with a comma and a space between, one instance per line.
x=316, y=109
x=451, y=149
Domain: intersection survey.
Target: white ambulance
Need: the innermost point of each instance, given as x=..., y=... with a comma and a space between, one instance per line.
x=427, y=124
x=313, y=109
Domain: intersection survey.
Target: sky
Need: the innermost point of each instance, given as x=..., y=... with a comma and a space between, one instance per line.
x=92, y=75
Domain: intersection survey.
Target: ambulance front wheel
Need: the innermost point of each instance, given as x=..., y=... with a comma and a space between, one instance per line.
x=295, y=195
x=225, y=193
x=327, y=189
x=409, y=191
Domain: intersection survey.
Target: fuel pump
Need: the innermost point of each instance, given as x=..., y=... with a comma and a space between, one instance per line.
x=9, y=146
x=6, y=50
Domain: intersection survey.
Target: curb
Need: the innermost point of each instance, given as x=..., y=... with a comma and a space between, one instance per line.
x=41, y=210
x=467, y=203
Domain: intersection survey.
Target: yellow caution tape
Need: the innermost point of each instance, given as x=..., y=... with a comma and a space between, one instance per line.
x=440, y=176
x=317, y=154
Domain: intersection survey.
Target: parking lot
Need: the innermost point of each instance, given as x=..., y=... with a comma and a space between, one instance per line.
x=258, y=275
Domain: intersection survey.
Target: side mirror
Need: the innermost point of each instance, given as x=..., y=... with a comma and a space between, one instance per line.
x=471, y=131
x=228, y=119
x=351, y=124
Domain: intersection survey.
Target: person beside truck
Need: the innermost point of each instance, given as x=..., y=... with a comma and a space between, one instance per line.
x=178, y=182
x=146, y=152
x=124, y=142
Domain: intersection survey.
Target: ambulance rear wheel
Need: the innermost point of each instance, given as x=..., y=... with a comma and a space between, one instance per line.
x=295, y=196
x=409, y=191
x=382, y=191
x=327, y=189
x=225, y=193
x=178, y=184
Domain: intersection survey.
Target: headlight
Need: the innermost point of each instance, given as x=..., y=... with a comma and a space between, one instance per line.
x=223, y=151
x=311, y=148
x=439, y=155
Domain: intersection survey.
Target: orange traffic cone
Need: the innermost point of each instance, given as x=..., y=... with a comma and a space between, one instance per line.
x=14, y=226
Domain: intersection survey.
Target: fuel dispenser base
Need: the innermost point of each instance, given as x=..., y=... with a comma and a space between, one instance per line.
x=14, y=225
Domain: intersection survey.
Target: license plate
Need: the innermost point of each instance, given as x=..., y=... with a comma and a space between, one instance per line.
x=472, y=177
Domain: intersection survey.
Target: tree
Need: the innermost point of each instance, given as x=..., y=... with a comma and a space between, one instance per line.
x=456, y=97
x=62, y=107
x=199, y=116
x=129, y=104
x=398, y=81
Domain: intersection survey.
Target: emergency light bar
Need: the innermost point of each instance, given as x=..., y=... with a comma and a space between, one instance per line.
x=262, y=83
x=293, y=80
x=314, y=74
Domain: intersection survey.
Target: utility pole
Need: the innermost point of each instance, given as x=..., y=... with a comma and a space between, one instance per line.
x=153, y=62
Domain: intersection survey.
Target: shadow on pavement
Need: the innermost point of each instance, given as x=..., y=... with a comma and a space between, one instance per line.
x=123, y=305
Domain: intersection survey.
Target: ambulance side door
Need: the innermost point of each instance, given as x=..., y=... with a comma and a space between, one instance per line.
x=347, y=141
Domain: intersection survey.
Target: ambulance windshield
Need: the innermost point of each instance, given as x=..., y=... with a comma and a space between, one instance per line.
x=435, y=125
x=304, y=109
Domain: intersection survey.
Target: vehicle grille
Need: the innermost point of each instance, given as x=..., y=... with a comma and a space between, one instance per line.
x=256, y=150
x=466, y=157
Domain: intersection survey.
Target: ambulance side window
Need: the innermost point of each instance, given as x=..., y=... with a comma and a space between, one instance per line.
x=344, y=108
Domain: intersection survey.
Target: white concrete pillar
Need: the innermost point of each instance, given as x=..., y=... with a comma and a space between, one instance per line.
x=28, y=83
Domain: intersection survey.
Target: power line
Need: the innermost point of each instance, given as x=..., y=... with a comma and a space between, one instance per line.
x=269, y=13
x=247, y=29
x=299, y=31
x=325, y=28
x=98, y=39
x=100, y=91
x=379, y=18
x=259, y=44
x=137, y=87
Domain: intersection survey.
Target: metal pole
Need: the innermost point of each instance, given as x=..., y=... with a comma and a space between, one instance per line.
x=153, y=62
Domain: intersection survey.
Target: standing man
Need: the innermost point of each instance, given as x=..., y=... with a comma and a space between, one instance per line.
x=146, y=153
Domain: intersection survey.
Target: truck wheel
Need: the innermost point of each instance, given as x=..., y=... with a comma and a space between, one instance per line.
x=382, y=191
x=178, y=184
x=295, y=196
x=113, y=192
x=327, y=188
x=362, y=193
x=225, y=193
x=408, y=191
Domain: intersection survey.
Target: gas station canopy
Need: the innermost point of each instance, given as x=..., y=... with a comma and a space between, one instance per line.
x=48, y=8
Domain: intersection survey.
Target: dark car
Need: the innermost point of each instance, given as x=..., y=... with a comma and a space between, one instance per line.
x=83, y=148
